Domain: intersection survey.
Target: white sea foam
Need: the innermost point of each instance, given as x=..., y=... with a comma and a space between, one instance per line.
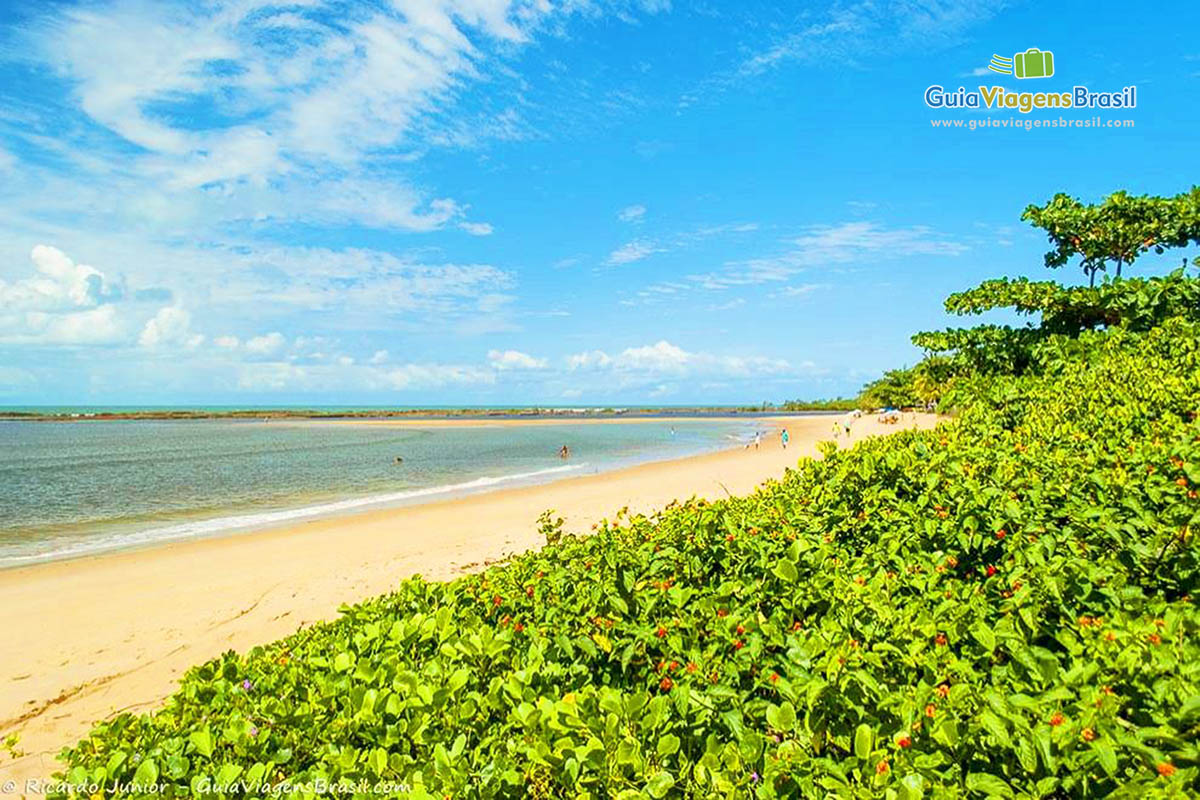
x=264, y=519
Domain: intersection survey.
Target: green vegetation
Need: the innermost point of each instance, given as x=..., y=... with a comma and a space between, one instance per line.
x=1002, y=607
x=1116, y=231
x=835, y=404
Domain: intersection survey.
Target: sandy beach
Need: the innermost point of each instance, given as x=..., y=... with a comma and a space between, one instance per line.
x=92, y=637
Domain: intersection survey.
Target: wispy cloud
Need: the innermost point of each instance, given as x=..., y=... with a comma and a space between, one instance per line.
x=634, y=213
x=633, y=251
x=817, y=246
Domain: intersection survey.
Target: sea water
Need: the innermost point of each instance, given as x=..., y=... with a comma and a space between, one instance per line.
x=74, y=488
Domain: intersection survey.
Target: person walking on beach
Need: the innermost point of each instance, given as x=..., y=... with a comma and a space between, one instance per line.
x=783, y=438
x=757, y=439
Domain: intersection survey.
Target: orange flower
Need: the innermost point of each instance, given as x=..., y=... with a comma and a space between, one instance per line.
x=691, y=666
x=665, y=684
x=661, y=632
x=1088, y=734
x=940, y=640
x=738, y=644
x=943, y=691
x=1166, y=769
x=1056, y=720
x=741, y=629
x=904, y=742
x=774, y=677
x=930, y=710
x=881, y=768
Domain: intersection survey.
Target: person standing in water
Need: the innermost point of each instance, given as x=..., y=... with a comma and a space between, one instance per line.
x=783, y=438
x=564, y=452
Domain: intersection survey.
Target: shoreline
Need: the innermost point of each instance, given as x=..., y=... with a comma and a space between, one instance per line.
x=250, y=519
x=100, y=634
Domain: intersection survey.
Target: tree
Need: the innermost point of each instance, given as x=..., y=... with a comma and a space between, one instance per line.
x=1116, y=231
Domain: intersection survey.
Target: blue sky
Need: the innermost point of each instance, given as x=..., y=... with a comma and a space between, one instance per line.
x=533, y=201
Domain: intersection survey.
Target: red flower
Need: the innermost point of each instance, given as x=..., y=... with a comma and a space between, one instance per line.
x=1155, y=639
x=1000, y=534
x=497, y=600
x=665, y=684
x=1166, y=769
x=904, y=742
x=940, y=640
x=741, y=629
x=1056, y=720
x=529, y=591
x=991, y=570
x=796, y=625
x=738, y=644
x=518, y=627
x=774, y=677
x=722, y=613
x=661, y=632
x=881, y=768
x=674, y=665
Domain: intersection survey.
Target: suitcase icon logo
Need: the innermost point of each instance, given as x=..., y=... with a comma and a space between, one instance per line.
x=1033, y=63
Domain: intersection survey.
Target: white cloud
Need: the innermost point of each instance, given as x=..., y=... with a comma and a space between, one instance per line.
x=587, y=360
x=633, y=251
x=227, y=342
x=58, y=284
x=818, y=246
x=266, y=345
x=664, y=358
x=171, y=326
x=379, y=357
x=429, y=376
x=476, y=228
x=62, y=303
x=514, y=359
x=94, y=326
x=634, y=213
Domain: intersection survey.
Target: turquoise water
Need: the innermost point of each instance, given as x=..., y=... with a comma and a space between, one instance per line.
x=70, y=489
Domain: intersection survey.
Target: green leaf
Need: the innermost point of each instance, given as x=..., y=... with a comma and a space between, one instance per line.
x=660, y=784
x=912, y=787
x=202, y=741
x=782, y=717
x=786, y=571
x=1106, y=756
x=146, y=773
x=668, y=745
x=864, y=741
x=988, y=784
x=983, y=634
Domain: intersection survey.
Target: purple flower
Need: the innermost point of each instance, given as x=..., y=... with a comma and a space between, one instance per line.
x=253, y=731
x=754, y=777
x=247, y=685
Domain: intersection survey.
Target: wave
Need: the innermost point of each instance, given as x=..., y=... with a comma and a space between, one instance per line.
x=263, y=519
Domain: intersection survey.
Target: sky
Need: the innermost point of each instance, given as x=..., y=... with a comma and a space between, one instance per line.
x=552, y=202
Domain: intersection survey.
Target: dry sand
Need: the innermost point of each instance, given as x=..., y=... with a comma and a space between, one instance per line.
x=88, y=638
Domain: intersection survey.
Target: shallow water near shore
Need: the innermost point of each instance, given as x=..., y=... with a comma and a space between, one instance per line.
x=74, y=489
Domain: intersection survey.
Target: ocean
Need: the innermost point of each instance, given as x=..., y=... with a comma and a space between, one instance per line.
x=69, y=489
